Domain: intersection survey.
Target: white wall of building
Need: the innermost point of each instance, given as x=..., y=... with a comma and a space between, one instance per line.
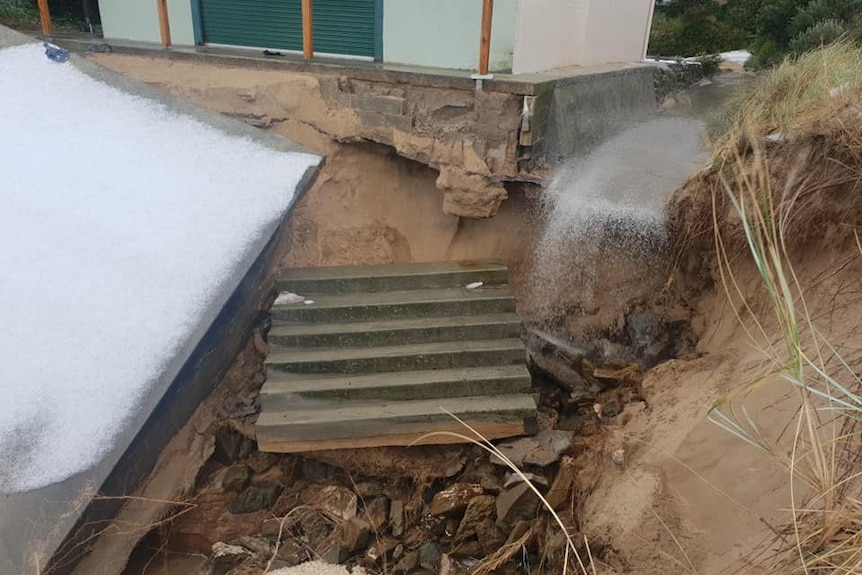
x=549, y=34
x=559, y=33
x=617, y=31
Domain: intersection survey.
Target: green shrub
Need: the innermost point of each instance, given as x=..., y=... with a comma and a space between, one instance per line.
x=820, y=34
x=710, y=64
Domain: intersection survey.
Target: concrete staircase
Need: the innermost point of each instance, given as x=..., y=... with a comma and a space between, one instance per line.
x=383, y=350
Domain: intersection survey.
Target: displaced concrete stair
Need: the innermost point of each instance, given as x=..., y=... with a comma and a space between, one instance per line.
x=384, y=354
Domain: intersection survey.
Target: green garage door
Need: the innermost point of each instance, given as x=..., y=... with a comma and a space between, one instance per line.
x=340, y=26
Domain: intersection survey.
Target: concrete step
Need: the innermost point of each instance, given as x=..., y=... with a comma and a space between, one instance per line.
x=397, y=305
x=399, y=277
x=441, y=355
x=394, y=332
x=315, y=426
x=281, y=393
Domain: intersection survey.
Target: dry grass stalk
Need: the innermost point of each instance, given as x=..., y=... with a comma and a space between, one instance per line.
x=769, y=199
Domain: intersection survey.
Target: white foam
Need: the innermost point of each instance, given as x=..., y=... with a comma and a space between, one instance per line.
x=120, y=223
x=736, y=56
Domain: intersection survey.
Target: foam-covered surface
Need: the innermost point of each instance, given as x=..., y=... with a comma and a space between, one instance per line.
x=120, y=223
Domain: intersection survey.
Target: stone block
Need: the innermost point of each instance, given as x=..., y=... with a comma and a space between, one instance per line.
x=387, y=105
x=377, y=120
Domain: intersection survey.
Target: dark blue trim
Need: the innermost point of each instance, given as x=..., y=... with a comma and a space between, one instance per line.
x=197, y=22
x=378, y=30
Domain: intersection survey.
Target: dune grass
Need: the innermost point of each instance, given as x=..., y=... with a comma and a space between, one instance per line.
x=802, y=95
x=813, y=99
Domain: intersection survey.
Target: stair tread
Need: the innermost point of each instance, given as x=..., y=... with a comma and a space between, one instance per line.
x=285, y=329
x=281, y=355
x=401, y=297
x=332, y=273
x=297, y=383
x=349, y=411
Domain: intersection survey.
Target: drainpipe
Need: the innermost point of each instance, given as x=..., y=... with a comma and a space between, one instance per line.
x=164, y=25
x=45, y=18
x=484, y=44
x=307, y=30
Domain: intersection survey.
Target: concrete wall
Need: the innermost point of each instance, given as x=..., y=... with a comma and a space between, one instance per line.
x=560, y=33
x=138, y=21
x=445, y=33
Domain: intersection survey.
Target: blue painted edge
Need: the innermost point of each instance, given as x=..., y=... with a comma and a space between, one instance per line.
x=210, y=360
x=197, y=23
x=378, y=30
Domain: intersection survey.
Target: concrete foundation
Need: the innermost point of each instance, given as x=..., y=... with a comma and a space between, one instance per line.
x=512, y=128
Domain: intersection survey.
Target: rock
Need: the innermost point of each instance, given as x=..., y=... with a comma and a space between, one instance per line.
x=454, y=499
x=516, y=503
x=291, y=552
x=271, y=528
x=355, y=533
x=396, y=517
x=227, y=557
x=469, y=195
x=407, y=563
x=619, y=457
x=429, y=553
x=338, y=502
x=490, y=537
x=433, y=525
x=228, y=444
x=558, y=371
x=479, y=509
x=489, y=477
x=377, y=513
x=649, y=336
x=279, y=564
x=333, y=553
x=448, y=565
x=236, y=478
x=398, y=551
x=542, y=450
x=257, y=545
x=513, y=478
x=313, y=470
x=368, y=489
x=563, y=484
x=315, y=526
x=256, y=498
x=381, y=548
x=611, y=408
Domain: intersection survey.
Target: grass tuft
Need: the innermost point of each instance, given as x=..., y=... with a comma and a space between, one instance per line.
x=769, y=200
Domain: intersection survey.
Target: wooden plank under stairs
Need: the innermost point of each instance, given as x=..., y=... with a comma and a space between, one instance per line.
x=384, y=352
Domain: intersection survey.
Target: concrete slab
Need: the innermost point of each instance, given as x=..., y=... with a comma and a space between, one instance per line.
x=281, y=392
x=36, y=527
x=398, y=423
x=394, y=332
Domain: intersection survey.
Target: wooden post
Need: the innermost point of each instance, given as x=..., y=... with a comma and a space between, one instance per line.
x=307, y=30
x=164, y=24
x=485, y=37
x=45, y=17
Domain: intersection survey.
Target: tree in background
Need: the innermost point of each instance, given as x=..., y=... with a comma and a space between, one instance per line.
x=771, y=29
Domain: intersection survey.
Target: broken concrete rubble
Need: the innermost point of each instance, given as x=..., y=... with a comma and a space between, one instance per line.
x=542, y=450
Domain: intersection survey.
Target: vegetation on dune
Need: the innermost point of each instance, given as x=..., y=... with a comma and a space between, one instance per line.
x=771, y=29
x=773, y=198
x=66, y=15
